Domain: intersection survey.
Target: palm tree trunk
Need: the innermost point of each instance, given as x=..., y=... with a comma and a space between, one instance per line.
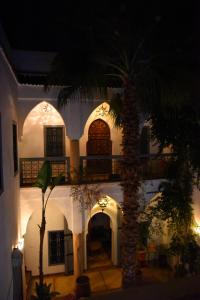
x=42, y=233
x=130, y=183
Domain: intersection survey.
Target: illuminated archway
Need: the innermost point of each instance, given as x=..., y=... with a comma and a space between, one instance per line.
x=57, y=242
x=113, y=212
x=115, y=133
x=99, y=240
x=43, y=115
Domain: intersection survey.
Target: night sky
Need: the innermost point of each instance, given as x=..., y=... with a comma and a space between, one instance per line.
x=54, y=25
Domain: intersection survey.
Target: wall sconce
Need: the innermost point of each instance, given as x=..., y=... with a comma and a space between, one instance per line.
x=102, y=111
x=103, y=202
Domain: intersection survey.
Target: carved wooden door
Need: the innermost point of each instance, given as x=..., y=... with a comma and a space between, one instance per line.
x=99, y=144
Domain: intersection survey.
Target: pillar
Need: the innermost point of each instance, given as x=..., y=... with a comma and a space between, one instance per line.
x=74, y=161
x=76, y=246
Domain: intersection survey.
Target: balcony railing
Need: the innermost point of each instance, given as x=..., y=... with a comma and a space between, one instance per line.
x=108, y=168
x=100, y=168
x=154, y=166
x=29, y=169
x=93, y=168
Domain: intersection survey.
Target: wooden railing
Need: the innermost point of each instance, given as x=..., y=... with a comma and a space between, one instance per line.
x=108, y=168
x=93, y=168
x=100, y=168
x=29, y=169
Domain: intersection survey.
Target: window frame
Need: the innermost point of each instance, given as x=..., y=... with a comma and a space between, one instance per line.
x=45, y=139
x=49, y=251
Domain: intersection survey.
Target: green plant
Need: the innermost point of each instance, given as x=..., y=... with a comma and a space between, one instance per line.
x=143, y=229
x=43, y=181
x=43, y=292
x=186, y=247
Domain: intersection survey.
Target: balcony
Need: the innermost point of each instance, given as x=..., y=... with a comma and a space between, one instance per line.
x=108, y=168
x=100, y=168
x=29, y=169
x=93, y=168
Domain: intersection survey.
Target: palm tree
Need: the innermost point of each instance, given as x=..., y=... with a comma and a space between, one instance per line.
x=43, y=181
x=137, y=68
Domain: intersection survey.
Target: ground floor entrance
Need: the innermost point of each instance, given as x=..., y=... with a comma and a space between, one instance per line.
x=99, y=241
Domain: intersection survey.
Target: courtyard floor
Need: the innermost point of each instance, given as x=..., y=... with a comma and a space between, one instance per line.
x=104, y=280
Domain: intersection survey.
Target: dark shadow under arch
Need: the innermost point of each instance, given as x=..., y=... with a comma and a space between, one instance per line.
x=99, y=241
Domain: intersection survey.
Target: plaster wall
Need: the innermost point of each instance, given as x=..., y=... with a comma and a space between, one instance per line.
x=32, y=141
x=9, y=198
x=54, y=221
x=30, y=199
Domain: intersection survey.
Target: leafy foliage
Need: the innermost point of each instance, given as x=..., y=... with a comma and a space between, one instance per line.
x=43, y=181
x=43, y=292
x=87, y=195
x=144, y=61
x=44, y=177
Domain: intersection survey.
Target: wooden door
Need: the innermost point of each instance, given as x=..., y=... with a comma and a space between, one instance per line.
x=99, y=144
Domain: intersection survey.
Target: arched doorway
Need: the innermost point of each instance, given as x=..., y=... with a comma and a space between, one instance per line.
x=99, y=241
x=99, y=144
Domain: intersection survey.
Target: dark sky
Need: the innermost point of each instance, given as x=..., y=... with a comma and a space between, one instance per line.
x=53, y=25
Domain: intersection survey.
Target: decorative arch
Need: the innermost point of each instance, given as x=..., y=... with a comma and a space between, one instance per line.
x=114, y=213
x=57, y=232
x=99, y=239
x=44, y=133
x=42, y=112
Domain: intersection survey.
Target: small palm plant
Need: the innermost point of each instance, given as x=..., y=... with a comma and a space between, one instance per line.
x=44, y=181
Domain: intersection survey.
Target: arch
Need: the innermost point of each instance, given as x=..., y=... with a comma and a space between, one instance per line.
x=115, y=133
x=98, y=130
x=38, y=111
x=36, y=204
x=99, y=240
x=56, y=230
x=99, y=144
x=35, y=140
x=112, y=211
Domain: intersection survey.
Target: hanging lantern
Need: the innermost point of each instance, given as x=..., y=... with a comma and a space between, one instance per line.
x=103, y=202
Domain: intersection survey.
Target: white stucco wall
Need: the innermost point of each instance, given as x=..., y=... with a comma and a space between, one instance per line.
x=32, y=140
x=54, y=221
x=9, y=199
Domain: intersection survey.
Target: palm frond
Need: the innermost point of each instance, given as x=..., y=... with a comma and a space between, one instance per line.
x=115, y=109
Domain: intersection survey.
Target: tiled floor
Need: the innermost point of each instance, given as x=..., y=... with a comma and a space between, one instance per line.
x=104, y=279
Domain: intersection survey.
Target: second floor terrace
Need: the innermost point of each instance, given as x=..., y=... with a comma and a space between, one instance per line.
x=92, y=152
x=92, y=168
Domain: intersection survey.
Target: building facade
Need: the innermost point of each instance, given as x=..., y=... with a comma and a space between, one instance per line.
x=81, y=141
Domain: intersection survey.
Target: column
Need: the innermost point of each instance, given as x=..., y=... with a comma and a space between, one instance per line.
x=74, y=161
x=76, y=248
